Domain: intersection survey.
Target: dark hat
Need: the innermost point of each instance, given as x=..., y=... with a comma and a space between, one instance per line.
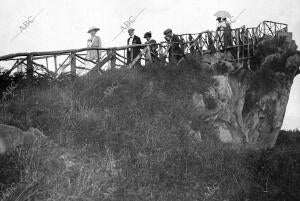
x=148, y=34
x=167, y=31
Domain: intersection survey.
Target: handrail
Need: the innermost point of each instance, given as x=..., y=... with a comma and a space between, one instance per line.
x=68, y=51
x=241, y=42
x=275, y=22
x=61, y=52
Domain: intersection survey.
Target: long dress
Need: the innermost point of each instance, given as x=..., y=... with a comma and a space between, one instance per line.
x=92, y=54
x=224, y=34
x=220, y=35
x=227, y=36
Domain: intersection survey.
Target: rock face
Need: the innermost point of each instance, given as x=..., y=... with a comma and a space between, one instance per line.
x=247, y=106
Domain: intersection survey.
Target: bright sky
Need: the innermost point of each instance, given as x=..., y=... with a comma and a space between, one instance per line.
x=62, y=24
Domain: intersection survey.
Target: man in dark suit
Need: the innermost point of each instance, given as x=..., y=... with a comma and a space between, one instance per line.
x=135, y=51
x=175, y=50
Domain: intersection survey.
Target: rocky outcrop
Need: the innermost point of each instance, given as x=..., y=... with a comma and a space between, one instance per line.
x=247, y=106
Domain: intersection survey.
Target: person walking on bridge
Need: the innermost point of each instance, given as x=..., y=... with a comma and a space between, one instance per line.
x=224, y=33
x=153, y=48
x=175, y=51
x=133, y=52
x=93, y=42
x=227, y=34
x=221, y=25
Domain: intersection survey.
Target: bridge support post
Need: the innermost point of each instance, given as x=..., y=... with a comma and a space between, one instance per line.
x=73, y=64
x=148, y=54
x=98, y=58
x=243, y=34
x=238, y=44
x=217, y=39
x=248, y=48
x=55, y=63
x=113, y=59
x=47, y=64
x=29, y=69
x=201, y=43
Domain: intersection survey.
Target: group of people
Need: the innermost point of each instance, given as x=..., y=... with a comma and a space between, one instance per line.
x=174, y=49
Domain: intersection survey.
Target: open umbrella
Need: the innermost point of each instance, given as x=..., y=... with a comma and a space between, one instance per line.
x=223, y=14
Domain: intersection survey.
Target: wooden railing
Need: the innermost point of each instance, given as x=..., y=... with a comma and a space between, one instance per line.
x=241, y=42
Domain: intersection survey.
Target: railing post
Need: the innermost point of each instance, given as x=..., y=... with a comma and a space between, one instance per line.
x=237, y=32
x=98, y=57
x=113, y=59
x=55, y=63
x=73, y=64
x=148, y=54
x=29, y=69
x=191, y=45
x=243, y=42
x=217, y=40
x=131, y=55
x=206, y=41
x=125, y=56
x=248, y=47
x=47, y=64
x=201, y=43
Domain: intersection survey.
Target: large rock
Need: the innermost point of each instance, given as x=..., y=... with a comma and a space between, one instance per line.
x=248, y=107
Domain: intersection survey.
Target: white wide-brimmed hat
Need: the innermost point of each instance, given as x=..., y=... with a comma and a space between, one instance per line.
x=223, y=14
x=93, y=28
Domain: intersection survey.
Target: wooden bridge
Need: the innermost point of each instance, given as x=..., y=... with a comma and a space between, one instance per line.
x=242, y=46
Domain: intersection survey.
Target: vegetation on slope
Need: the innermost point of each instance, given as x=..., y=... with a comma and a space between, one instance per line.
x=124, y=135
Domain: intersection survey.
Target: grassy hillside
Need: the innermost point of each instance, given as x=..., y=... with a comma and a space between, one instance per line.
x=124, y=135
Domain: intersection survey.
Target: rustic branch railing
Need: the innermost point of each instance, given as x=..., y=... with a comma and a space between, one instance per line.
x=241, y=42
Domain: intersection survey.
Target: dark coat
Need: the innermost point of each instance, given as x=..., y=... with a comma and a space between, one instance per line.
x=133, y=52
x=175, y=50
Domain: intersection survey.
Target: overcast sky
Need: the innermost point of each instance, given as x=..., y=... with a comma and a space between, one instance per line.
x=62, y=24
